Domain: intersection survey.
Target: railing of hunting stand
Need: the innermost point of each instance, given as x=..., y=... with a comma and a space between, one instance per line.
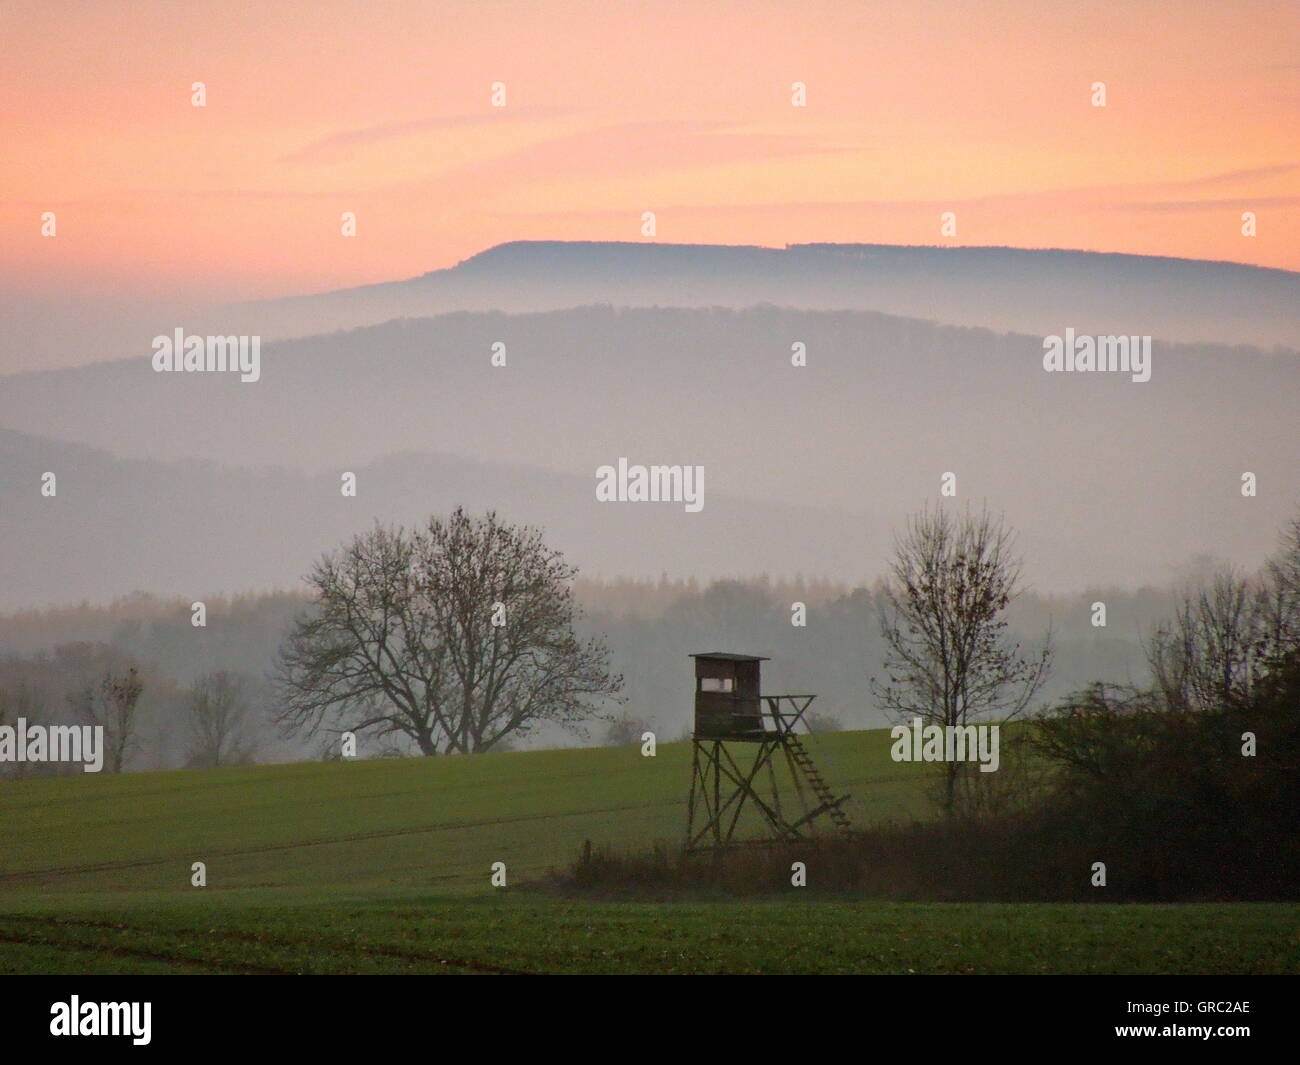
x=784, y=721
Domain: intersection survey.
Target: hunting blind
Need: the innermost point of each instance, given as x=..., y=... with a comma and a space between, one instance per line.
x=730, y=709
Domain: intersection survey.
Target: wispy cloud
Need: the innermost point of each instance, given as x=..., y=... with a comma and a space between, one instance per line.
x=1231, y=177
x=341, y=145
x=1236, y=203
x=655, y=146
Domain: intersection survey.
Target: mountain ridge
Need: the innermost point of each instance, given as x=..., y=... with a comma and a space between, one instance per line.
x=1106, y=479
x=507, y=248
x=1034, y=291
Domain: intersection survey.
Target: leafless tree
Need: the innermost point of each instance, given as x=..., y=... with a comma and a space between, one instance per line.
x=1228, y=632
x=220, y=722
x=112, y=705
x=1282, y=595
x=455, y=635
x=948, y=659
x=1209, y=652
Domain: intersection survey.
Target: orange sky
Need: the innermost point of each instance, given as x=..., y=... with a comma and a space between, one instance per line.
x=615, y=108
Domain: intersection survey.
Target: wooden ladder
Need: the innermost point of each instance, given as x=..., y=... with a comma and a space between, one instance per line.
x=829, y=804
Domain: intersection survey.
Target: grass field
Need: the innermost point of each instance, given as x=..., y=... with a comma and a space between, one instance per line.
x=384, y=866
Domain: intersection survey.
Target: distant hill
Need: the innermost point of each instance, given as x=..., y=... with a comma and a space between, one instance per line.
x=201, y=481
x=1010, y=289
x=193, y=528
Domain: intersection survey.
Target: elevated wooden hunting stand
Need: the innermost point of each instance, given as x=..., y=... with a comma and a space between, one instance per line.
x=729, y=710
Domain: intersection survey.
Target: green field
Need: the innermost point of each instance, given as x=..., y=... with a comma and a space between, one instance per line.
x=384, y=866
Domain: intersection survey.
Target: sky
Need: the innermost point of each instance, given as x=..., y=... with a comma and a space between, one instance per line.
x=613, y=109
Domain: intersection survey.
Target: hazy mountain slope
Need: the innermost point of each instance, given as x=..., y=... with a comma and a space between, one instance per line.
x=880, y=394
x=1108, y=480
x=194, y=529
x=1031, y=291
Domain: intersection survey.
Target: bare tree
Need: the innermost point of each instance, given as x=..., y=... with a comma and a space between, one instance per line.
x=112, y=705
x=455, y=635
x=948, y=657
x=1228, y=633
x=1281, y=598
x=220, y=726
x=1207, y=653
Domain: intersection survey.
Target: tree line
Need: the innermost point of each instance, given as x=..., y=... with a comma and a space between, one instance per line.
x=468, y=634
